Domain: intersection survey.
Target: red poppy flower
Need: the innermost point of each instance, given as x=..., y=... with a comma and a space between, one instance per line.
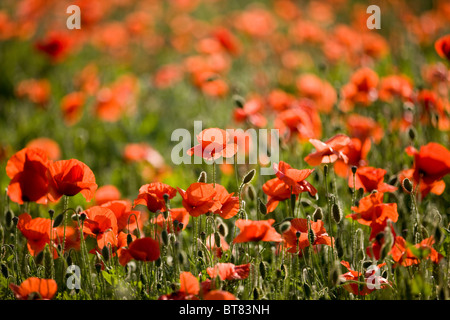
x=229, y=204
x=229, y=271
x=276, y=191
x=72, y=107
x=211, y=245
x=144, y=249
x=56, y=45
x=301, y=225
x=135, y=152
x=395, y=86
x=320, y=91
x=106, y=193
x=302, y=119
x=70, y=177
x=361, y=90
x=372, y=211
x=126, y=218
x=431, y=164
x=101, y=223
x=152, y=196
x=48, y=145
x=372, y=281
x=179, y=214
x=227, y=40
x=219, y=295
x=329, y=151
x=36, y=90
x=189, y=284
x=364, y=128
x=294, y=178
x=27, y=170
x=405, y=254
x=36, y=231
x=213, y=144
x=356, y=152
x=251, y=112
x=370, y=179
x=198, y=199
x=35, y=288
x=442, y=46
x=254, y=231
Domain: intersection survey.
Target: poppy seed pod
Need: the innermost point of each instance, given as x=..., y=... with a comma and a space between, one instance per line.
x=337, y=213
x=407, y=185
x=354, y=168
x=98, y=267
x=51, y=213
x=202, y=177
x=249, y=176
x=318, y=214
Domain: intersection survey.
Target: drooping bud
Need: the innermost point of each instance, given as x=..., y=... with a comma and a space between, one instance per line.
x=9, y=219
x=105, y=253
x=239, y=101
x=311, y=236
x=217, y=241
x=285, y=226
x=318, y=214
x=334, y=275
x=58, y=220
x=222, y=230
x=249, y=176
x=263, y=269
x=202, y=177
x=165, y=237
x=48, y=263
x=337, y=213
x=262, y=207
x=407, y=185
x=251, y=192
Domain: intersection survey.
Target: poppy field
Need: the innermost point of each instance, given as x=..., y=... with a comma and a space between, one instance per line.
x=224, y=150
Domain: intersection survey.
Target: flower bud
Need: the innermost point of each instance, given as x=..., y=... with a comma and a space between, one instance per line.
x=202, y=177
x=337, y=213
x=318, y=214
x=407, y=185
x=262, y=207
x=249, y=176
